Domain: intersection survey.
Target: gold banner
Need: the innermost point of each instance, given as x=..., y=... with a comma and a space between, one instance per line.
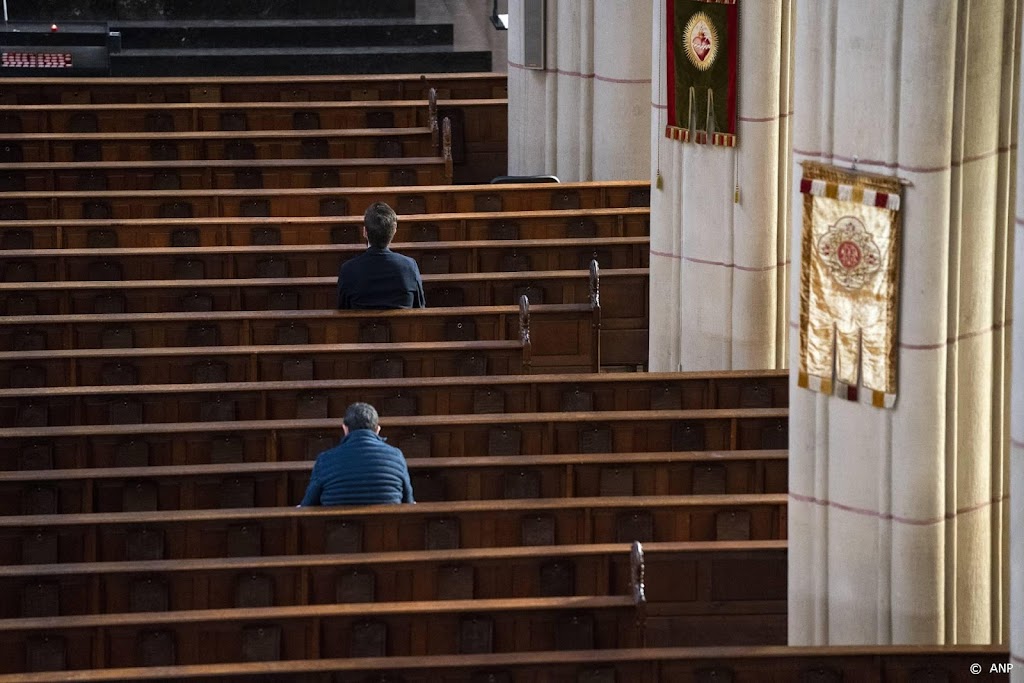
x=849, y=281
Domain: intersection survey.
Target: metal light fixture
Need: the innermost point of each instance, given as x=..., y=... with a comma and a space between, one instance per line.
x=499, y=21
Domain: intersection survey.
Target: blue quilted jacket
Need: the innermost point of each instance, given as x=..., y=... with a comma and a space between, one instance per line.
x=361, y=470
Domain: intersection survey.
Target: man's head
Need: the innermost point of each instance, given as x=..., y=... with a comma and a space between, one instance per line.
x=379, y=225
x=360, y=416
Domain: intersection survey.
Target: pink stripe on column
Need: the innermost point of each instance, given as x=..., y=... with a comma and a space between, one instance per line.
x=903, y=167
x=723, y=264
x=865, y=512
x=579, y=74
x=950, y=341
x=765, y=119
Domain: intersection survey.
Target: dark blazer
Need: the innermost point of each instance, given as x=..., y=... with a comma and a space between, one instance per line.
x=380, y=278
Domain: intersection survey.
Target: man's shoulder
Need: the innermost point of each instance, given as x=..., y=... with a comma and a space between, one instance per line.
x=354, y=262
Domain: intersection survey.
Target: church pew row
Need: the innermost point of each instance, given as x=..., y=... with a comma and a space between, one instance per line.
x=309, y=116
x=419, y=436
x=256, y=362
x=413, y=229
x=297, y=89
x=564, y=336
x=245, y=532
x=100, y=205
x=479, y=126
x=311, y=260
x=270, y=484
x=738, y=664
x=740, y=579
x=315, y=631
x=393, y=397
x=623, y=292
x=22, y=150
x=242, y=174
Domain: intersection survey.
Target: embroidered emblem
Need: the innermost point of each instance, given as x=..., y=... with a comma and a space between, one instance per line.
x=700, y=41
x=849, y=252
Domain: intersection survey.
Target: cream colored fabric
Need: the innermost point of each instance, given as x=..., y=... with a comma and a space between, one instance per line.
x=718, y=268
x=585, y=116
x=896, y=517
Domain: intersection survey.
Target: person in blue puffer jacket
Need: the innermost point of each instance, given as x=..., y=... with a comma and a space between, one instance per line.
x=362, y=469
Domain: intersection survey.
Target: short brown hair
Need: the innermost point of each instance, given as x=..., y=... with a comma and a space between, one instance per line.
x=381, y=222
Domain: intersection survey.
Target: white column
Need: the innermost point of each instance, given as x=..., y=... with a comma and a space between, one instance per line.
x=896, y=517
x=1016, y=502
x=719, y=268
x=584, y=116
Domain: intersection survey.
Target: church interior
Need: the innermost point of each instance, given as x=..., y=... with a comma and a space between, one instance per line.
x=716, y=380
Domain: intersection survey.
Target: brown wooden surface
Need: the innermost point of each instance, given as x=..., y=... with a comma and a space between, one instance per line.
x=395, y=397
x=365, y=171
x=207, y=116
x=464, y=573
x=413, y=229
x=252, y=89
x=488, y=256
x=743, y=664
x=158, y=365
x=412, y=628
x=564, y=335
x=180, y=443
x=269, y=484
x=307, y=202
x=92, y=537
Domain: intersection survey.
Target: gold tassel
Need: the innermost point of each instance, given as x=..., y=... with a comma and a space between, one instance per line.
x=658, y=182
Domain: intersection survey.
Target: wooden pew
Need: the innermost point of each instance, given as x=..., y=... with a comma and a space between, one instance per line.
x=270, y=484
x=565, y=336
x=740, y=664
x=119, y=205
x=310, y=260
x=76, y=149
x=396, y=397
x=310, y=116
x=239, y=89
x=675, y=574
x=623, y=298
x=623, y=293
x=479, y=135
x=192, y=175
x=183, y=534
x=256, y=362
x=268, y=633
x=419, y=436
x=413, y=229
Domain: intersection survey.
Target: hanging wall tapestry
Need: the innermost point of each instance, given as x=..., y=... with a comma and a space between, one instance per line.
x=702, y=52
x=849, y=277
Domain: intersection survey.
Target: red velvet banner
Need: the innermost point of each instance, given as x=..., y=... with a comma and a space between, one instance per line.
x=702, y=49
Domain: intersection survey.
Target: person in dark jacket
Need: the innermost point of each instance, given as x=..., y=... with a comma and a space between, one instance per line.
x=362, y=469
x=380, y=278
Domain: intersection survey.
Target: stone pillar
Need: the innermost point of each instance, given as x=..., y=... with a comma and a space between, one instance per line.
x=585, y=116
x=719, y=268
x=1016, y=503
x=897, y=518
